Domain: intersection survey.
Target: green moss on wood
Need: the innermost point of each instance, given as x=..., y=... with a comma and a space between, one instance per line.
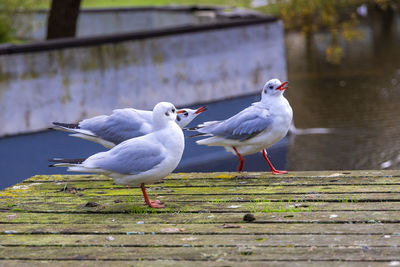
x=303, y=216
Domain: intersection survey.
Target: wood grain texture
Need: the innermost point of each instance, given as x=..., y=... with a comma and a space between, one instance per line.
x=309, y=218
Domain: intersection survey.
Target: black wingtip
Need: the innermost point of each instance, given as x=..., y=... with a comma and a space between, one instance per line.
x=192, y=128
x=70, y=161
x=67, y=125
x=196, y=135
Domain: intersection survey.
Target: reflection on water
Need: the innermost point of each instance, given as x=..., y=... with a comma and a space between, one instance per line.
x=359, y=98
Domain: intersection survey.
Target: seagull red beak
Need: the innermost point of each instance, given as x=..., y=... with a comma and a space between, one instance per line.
x=201, y=109
x=283, y=86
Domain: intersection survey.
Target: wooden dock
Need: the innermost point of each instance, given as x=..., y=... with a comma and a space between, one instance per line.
x=212, y=219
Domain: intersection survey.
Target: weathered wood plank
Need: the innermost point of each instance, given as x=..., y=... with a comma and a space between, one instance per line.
x=9, y=201
x=183, y=263
x=121, y=227
x=33, y=190
x=183, y=218
x=238, y=189
x=204, y=240
x=104, y=182
x=242, y=253
x=310, y=175
x=127, y=205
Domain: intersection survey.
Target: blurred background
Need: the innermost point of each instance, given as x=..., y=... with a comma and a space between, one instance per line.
x=70, y=60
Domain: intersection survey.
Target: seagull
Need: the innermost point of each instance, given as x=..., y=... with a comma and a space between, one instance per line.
x=140, y=160
x=121, y=125
x=253, y=129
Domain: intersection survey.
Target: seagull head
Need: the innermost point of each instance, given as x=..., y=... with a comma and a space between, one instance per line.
x=274, y=87
x=186, y=115
x=163, y=112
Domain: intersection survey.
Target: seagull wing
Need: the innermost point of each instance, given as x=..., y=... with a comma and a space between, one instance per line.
x=130, y=157
x=244, y=125
x=121, y=125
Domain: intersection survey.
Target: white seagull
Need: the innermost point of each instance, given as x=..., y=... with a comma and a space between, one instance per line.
x=141, y=160
x=121, y=125
x=253, y=129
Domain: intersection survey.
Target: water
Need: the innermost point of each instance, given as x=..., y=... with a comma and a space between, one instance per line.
x=27, y=155
x=359, y=100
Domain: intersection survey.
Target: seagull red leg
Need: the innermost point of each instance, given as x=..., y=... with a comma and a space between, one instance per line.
x=241, y=160
x=152, y=204
x=273, y=170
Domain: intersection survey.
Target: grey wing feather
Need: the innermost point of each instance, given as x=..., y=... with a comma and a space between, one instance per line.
x=242, y=126
x=121, y=125
x=128, y=158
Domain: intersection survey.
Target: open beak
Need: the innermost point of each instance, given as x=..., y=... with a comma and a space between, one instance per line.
x=283, y=86
x=201, y=109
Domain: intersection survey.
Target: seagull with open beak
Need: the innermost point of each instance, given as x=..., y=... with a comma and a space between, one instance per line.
x=185, y=116
x=255, y=128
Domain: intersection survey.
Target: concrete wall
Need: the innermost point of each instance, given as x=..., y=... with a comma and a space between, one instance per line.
x=74, y=83
x=109, y=21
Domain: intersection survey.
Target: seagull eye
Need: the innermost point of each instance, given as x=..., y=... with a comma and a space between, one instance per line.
x=271, y=87
x=185, y=114
x=166, y=113
x=173, y=110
